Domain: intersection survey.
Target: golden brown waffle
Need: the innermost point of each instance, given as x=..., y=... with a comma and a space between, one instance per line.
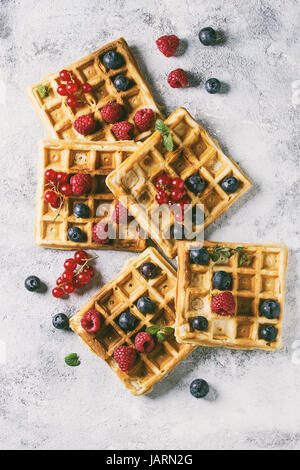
x=261, y=276
x=97, y=159
x=195, y=153
x=121, y=294
x=58, y=118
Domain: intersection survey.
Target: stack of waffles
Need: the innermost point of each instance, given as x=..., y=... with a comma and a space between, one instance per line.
x=127, y=171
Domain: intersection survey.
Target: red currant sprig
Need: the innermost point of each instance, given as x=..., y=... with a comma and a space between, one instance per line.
x=57, y=189
x=172, y=191
x=73, y=88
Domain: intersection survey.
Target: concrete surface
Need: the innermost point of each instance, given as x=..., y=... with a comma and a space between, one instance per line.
x=43, y=403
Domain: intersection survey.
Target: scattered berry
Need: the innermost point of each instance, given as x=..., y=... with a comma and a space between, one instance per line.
x=67, y=276
x=178, y=78
x=112, y=112
x=196, y=184
x=121, y=83
x=81, y=211
x=72, y=102
x=163, y=182
x=127, y=321
x=177, y=183
x=177, y=194
x=71, y=88
x=268, y=333
x=32, y=283
x=208, y=36
x=89, y=270
x=112, y=60
x=58, y=292
x=91, y=321
x=144, y=342
x=168, y=44
x=123, y=130
x=222, y=280
x=120, y=214
x=230, y=184
x=200, y=256
x=51, y=197
x=86, y=88
x=62, y=90
x=70, y=264
x=270, y=309
x=85, y=124
x=69, y=288
x=223, y=304
x=66, y=189
x=145, y=305
x=51, y=175
x=62, y=177
x=77, y=284
x=80, y=257
x=149, y=270
x=144, y=119
x=199, y=388
x=162, y=198
x=199, y=323
x=125, y=357
x=81, y=183
x=212, y=85
x=75, y=234
x=100, y=233
x=60, y=321
x=83, y=278
x=59, y=281
x=64, y=75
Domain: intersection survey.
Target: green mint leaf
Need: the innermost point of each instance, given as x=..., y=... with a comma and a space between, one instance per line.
x=227, y=254
x=215, y=256
x=72, y=360
x=168, y=142
x=153, y=329
x=167, y=329
x=238, y=248
x=243, y=258
x=43, y=91
x=160, y=336
x=161, y=127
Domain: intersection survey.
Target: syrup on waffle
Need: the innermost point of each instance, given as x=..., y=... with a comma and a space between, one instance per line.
x=122, y=294
x=260, y=276
x=97, y=159
x=195, y=153
x=58, y=118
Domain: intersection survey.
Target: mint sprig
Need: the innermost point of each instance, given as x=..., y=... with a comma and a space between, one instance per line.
x=228, y=252
x=163, y=129
x=160, y=332
x=43, y=91
x=72, y=360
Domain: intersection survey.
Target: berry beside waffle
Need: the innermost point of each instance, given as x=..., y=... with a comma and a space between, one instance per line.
x=117, y=309
x=231, y=295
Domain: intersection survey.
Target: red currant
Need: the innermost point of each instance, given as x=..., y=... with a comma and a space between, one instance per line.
x=72, y=102
x=69, y=288
x=51, y=175
x=62, y=90
x=56, y=204
x=177, y=194
x=51, y=197
x=163, y=181
x=162, y=198
x=83, y=278
x=71, y=87
x=66, y=190
x=59, y=281
x=67, y=276
x=89, y=270
x=62, y=177
x=64, y=75
x=81, y=257
x=86, y=88
x=70, y=264
x=76, y=283
x=177, y=183
x=58, y=292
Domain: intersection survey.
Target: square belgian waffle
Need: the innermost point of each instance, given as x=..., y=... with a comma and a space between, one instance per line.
x=261, y=276
x=98, y=159
x=195, y=153
x=58, y=118
x=121, y=294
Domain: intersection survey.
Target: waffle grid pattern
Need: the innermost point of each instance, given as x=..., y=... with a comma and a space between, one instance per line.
x=58, y=118
x=195, y=154
x=260, y=277
x=97, y=159
x=122, y=294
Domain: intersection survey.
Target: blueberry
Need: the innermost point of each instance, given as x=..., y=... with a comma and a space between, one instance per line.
x=268, y=333
x=222, y=280
x=32, y=283
x=60, y=321
x=200, y=323
x=230, y=184
x=112, y=60
x=208, y=36
x=195, y=184
x=145, y=305
x=121, y=83
x=177, y=232
x=75, y=234
x=212, y=85
x=149, y=270
x=127, y=321
x=270, y=309
x=200, y=256
x=199, y=388
x=197, y=216
x=82, y=211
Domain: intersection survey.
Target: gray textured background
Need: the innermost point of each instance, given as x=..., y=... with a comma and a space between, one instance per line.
x=45, y=404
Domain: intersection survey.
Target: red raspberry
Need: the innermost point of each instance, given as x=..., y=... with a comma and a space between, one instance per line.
x=99, y=233
x=223, y=304
x=123, y=130
x=85, y=125
x=81, y=183
x=125, y=357
x=112, y=112
x=91, y=321
x=168, y=44
x=178, y=78
x=144, y=119
x=120, y=214
x=144, y=342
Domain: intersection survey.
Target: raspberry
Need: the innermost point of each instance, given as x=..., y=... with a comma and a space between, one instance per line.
x=123, y=130
x=144, y=119
x=144, y=342
x=85, y=125
x=120, y=214
x=178, y=78
x=168, y=44
x=91, y=321
x=125, y=357
x=81, y=183
x=112, y=112
x=99, y=233
x=223, y=304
